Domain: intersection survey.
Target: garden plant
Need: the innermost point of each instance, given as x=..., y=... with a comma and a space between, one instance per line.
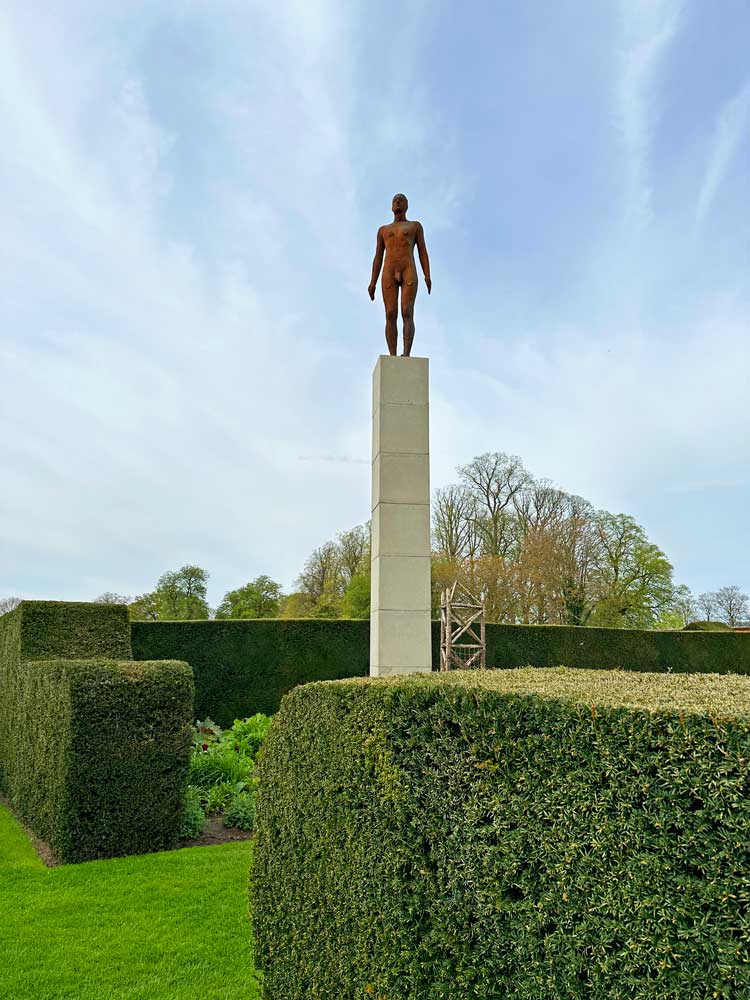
x=220, y=775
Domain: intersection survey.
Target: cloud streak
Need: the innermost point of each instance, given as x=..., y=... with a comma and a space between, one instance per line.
x=650, y=27
x=732, y=128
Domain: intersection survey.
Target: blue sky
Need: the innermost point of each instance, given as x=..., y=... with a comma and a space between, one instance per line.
x=189, y=196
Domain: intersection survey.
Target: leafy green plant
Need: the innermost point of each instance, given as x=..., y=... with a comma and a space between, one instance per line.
x=217, y=765
x=247, y=735
x=193, y=816
x=216, y=798
x=221, y=767
x=241, y=812
x=205, y=733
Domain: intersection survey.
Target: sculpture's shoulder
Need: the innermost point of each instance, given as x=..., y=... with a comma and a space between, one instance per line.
x=408, y=226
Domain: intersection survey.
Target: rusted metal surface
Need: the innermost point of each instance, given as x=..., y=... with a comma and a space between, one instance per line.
x=397, y=241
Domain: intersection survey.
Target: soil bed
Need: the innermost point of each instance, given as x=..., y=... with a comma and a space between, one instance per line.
x=215, y=832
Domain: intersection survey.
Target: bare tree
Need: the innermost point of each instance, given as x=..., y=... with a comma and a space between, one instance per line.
x=8, y=604
x=453, y=517
x=733, y=605
x=495, y=479
x=322, y=572
x=708, y=605
x=579, y=553
x=108, y=597
x=685, y=604
x=539, y=505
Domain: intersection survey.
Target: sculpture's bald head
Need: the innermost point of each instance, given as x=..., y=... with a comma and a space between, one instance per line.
x=400, y=203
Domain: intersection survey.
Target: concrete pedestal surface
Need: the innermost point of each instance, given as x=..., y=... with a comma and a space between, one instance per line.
x=400, y=630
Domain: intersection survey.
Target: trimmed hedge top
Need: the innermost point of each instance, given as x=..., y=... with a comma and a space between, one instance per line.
x=72, y=630
x=719, y=695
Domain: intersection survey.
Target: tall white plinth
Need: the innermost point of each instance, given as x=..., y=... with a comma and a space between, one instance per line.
x=400, y=628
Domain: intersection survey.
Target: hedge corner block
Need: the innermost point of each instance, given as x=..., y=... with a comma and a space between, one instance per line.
x=400, y=628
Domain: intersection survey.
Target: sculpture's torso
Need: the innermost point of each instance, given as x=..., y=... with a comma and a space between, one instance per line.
x=399, y=239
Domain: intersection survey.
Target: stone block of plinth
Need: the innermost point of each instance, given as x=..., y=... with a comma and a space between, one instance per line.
x=399, y=642
x=401, y=529
x=401, y=583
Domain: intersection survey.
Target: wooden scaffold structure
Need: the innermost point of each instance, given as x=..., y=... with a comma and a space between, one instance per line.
x=463, y=645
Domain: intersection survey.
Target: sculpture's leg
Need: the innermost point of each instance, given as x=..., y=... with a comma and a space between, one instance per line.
x=408, y=295
x=390, y=299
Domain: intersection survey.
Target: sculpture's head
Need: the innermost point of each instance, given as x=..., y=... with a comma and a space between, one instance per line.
x=400, y=203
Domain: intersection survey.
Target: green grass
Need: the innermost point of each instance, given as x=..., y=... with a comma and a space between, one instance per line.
x=171, y=926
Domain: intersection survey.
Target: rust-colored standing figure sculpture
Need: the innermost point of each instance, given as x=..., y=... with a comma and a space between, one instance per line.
x=397, y=241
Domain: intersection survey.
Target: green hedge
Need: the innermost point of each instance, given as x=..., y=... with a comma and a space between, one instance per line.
x=243, y=667
x=516, y=834
x=617, y=648
x=93, y=751
x=72, y=630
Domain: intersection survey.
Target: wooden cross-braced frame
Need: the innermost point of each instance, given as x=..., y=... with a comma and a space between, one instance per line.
x=463, y=644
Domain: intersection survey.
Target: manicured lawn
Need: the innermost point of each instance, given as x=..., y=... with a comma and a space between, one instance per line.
x=169, y=926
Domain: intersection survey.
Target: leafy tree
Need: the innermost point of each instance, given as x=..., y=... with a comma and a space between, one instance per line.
x=261, y=598
x=671, y=619
x=633, y=578
x=329, y=604
x=330, y=571
x=144, y=608
x=353, y=552
x=356, y=600
x=181, y=594
x=444, y=571
x=296, y=605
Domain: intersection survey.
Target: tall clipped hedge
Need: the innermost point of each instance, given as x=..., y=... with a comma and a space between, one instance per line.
x=93, y=749
x=652, y=651
x=243, y=667
x=525, y=834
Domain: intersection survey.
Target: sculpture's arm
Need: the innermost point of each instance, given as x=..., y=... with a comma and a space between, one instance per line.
x=377, y=263
x=424, y=260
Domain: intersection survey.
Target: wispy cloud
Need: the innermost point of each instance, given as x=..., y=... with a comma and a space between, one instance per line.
x=732, y=127
x=650, y=26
